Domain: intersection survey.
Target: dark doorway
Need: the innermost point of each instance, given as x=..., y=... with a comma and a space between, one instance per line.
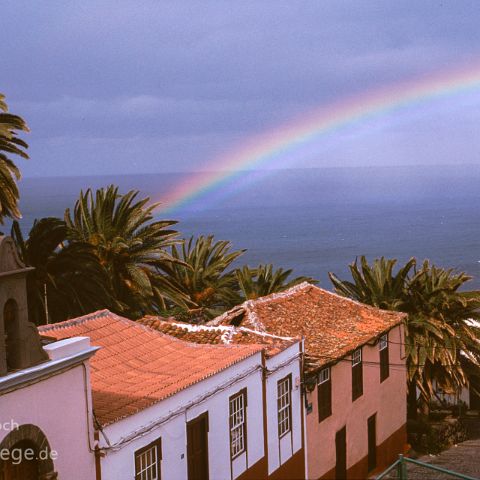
x=197, y=448
x=372, y=442
x=474, y=392
x=10, y=318
x=341, y=454
x=22, y=464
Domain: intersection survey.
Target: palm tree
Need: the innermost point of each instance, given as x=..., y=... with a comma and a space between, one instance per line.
x=201, y=274
x=9, y=172
x=131, y=246
x=436, y=330
x=68, y=281
x=376, y=285
x=263, y=280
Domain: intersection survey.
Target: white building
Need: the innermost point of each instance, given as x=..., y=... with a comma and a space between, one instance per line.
x=167, y=408
x=282, y=370
x=103, y=397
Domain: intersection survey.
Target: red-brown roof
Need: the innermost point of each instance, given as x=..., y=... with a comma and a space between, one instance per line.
x=224, y=334
x=333, y=326
x=137, y=366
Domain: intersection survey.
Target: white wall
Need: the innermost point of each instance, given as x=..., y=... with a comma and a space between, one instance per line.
x=58, y=406
x=280, y=450
x=119, y=465
x=462, y=395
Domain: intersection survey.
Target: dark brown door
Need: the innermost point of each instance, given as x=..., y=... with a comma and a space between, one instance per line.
x=26, y=468
x=341, y=454
x=474, y=392
x=197, y=448
x=372, y=442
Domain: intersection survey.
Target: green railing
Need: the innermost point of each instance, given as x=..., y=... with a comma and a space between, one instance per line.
x=400, y=466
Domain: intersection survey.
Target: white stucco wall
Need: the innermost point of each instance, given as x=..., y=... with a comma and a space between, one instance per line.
x=462, y=395
x=58, y=406
x=280, y=450
x=119, y=465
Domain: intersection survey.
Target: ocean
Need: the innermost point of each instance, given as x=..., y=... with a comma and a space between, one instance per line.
x=314, y=220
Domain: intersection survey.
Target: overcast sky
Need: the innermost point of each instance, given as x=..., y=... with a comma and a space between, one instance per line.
x=152, y=86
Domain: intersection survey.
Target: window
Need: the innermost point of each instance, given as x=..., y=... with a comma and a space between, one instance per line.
x=324, y=394
x=372, y=442
x=357, y=374
x=147, y=462
x=238, y=424
x=384, y=361
x=284, y=403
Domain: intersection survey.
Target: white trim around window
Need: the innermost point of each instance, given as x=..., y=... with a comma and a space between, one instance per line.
x=284, y=402
x=238, y=424
x=357, y=357
x=324, y=375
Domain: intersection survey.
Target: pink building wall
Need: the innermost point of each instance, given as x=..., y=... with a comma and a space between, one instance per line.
x=387, y=400
x=59, y=406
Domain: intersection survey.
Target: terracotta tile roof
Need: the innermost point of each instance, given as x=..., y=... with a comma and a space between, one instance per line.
x=333, y=326
x=224, y=334
x=137, y=366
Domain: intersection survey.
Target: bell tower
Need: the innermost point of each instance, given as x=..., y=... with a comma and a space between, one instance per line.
x=20, y=345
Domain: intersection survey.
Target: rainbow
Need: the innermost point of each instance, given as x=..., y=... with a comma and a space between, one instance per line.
x=267, y=148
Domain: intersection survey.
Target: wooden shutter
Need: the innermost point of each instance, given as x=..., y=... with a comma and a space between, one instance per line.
x=324, y=399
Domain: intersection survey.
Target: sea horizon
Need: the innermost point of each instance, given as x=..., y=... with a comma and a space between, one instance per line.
x=312, y=220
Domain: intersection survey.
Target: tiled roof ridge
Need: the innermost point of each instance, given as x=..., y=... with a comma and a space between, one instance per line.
x=226, y=329
x=248, y=305
x=227, y=336
x=304, y=286
x=229, y=331
x=105, y=313
x=79, y=320
x=393, y=313
x=265, y=334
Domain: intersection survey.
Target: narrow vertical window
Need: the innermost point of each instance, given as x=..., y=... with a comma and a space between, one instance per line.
x=238, y=424
x=324, y=388
x=284, y=403
x=372, y=442
x=384, y=360
x=357, y=374
x=147, y=462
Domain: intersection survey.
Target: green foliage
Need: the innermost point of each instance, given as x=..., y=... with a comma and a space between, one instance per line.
x=201, y=273
x=263, y=280
x=10, y=144
x=68, y=274
x=376, y=285
x=437, y=327
x=130, y=245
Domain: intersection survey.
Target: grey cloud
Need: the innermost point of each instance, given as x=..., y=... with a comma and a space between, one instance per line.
x=90, y=75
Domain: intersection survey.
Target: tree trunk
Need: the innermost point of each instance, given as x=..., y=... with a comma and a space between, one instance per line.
x=412, y=406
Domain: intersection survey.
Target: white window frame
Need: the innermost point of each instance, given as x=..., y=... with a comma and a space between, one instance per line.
x=284, y=401
x=357, y=357
x=237, y=410
x=383, y=342
x=149, y=463
x=324, y=375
